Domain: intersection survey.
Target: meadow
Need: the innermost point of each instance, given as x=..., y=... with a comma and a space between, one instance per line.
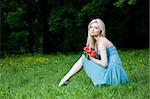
x=37, y=77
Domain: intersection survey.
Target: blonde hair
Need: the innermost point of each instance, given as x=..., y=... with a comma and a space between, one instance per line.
x=90, y=40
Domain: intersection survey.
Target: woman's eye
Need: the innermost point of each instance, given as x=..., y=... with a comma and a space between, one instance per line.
x=96, y=27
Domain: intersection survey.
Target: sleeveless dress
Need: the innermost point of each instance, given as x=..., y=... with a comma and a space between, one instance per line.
x=113, y=74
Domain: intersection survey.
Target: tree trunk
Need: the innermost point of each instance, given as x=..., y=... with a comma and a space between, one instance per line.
x=29, y=18
x=45, y=9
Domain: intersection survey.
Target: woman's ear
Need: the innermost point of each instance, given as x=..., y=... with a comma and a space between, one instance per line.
x=100, y=32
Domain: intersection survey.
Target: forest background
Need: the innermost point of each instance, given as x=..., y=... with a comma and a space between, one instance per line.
x=49, y=26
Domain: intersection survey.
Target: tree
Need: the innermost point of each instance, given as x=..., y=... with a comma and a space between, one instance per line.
x=45, y=8
x=30, y=26
x=121, y=3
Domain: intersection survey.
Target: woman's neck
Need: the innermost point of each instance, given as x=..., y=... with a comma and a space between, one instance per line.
x=98, y=38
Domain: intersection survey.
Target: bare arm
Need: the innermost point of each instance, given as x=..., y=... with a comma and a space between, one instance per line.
x=75, y=68
x=103, y=62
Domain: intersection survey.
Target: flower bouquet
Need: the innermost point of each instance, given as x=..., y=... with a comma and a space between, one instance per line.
x=89, y=52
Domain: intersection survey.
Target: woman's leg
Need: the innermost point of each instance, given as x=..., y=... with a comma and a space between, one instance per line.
x=75, y=68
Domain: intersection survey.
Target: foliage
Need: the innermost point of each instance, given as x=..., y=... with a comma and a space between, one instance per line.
x=61, y=25
x=121, y=3
x=17, y=40
x=37, y=76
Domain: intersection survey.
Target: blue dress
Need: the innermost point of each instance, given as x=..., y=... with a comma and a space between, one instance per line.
x=113, y=74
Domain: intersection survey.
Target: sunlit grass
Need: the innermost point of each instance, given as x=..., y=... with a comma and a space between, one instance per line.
x=37, y=77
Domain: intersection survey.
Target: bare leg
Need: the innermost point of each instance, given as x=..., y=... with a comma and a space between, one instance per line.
x=75, y=68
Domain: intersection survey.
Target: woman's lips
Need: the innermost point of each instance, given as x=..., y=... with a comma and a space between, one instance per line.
x=92, y=34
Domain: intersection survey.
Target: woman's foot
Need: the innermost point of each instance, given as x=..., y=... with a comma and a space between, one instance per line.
x=63, y=82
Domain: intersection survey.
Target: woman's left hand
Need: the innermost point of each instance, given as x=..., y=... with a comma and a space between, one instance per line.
x=91, y=58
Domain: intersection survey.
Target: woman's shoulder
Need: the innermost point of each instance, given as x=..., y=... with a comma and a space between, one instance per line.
x=105, y=41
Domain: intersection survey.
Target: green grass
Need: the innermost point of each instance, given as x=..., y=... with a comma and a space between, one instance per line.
x=37, y=77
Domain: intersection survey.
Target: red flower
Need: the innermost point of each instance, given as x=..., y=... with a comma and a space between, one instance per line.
x=86, y=48
x=89, y=52
x=92, y=53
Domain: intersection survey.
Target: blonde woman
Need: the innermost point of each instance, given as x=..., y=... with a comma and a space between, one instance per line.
x=105, y=70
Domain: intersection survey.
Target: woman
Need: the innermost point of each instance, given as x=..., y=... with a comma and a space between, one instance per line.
x=105, y=70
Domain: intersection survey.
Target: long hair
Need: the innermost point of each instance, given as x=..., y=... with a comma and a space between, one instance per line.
x=90, y=40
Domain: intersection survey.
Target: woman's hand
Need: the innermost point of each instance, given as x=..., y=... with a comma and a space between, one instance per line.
x=91, y=58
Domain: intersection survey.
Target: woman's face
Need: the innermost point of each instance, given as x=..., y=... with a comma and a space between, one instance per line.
x=94, y=29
